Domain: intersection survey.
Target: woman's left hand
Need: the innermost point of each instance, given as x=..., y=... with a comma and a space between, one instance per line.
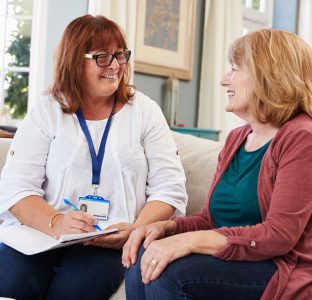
x=113, y=240
x=162, y=252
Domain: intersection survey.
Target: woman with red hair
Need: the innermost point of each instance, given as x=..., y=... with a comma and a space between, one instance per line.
x=95, y=140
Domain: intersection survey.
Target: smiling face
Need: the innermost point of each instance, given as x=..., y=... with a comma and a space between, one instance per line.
x=239, y=91
x=102, y=82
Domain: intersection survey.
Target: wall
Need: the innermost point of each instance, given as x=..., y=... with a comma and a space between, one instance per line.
x=154, y=86
x=285, y=15
x=60, y=13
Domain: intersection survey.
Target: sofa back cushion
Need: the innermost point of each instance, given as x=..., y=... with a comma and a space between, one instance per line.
x=4, y=147
x=199, y=159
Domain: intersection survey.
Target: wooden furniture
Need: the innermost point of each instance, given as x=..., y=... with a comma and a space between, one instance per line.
x=6, y=134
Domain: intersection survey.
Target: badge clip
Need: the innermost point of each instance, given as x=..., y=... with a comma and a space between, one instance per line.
x=95, y=192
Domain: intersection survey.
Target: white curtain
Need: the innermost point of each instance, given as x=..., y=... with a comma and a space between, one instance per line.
x=305, y=20
x=123, y=13
x=223, y=24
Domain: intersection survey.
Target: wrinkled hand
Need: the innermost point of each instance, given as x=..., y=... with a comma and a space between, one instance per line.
x=160, y=253
x=74, y=222
x=114, y=240
x=148, y=232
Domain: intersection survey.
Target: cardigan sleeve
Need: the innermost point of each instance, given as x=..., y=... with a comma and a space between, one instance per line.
x=287, y=207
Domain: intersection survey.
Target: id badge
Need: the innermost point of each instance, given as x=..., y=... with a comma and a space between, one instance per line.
x=95, y=205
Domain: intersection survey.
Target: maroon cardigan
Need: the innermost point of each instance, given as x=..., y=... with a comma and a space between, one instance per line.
x=285, y=199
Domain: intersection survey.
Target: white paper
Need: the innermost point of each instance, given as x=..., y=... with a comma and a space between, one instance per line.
x=32, y=241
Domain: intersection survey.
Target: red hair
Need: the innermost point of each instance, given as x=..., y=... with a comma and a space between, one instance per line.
x=82, y=35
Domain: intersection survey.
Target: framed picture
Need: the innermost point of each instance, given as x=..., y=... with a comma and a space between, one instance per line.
x=165, y=38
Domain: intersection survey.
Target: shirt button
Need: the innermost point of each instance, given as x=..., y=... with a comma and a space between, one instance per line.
x=12, y=152
x=253, y=244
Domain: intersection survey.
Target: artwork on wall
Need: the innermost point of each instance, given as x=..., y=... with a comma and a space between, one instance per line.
x=165, y=38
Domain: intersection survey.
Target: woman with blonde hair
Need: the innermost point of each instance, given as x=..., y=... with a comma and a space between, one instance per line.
x=253, y=237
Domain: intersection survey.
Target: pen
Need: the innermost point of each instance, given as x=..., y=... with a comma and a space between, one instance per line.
x=74, y=207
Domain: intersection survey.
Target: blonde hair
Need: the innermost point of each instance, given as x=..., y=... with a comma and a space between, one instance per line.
x=81, y=36
x=280, y=67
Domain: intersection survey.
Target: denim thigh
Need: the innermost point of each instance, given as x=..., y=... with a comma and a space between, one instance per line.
x=87, y=272
x=26, y=276
x=74, y=272
x=203, y=277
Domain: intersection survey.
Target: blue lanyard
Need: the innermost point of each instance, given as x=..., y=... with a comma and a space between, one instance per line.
x=97, y=160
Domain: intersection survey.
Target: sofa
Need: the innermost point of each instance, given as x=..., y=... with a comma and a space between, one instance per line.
x=199, y=159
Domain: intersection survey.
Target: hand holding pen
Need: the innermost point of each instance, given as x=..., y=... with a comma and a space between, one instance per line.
x=74, y=207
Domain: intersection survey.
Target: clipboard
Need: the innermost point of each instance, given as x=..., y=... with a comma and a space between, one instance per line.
x=31, y=241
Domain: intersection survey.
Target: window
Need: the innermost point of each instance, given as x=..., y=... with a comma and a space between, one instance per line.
x=257, y=14
x=19, y=37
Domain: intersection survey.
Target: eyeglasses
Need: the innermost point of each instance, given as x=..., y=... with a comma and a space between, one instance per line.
x=104, y=60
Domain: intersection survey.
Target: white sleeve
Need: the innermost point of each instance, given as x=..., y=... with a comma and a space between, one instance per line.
x=24, y=171
x=166, y=178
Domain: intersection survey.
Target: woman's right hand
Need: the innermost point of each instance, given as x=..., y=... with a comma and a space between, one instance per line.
x=74, y=222
x=148, y=232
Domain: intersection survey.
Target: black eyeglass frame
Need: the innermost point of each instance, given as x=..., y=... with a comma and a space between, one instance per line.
x=127, y=54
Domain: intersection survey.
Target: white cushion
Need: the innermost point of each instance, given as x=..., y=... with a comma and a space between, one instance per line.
x=4, y=147
x=199, y=159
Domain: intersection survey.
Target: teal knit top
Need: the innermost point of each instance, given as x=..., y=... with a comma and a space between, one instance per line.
x=234, y=201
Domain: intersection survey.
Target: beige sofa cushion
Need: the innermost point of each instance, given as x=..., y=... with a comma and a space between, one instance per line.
x=199, y=159
x=4, y=147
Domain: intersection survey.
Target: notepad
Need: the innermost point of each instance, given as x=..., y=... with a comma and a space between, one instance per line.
x=32, y=241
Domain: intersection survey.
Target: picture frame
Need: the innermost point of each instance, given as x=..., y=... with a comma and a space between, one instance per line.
x=165, y=38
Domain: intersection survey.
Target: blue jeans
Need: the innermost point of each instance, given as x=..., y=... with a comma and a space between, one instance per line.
x=202, y=277
x=74, y=272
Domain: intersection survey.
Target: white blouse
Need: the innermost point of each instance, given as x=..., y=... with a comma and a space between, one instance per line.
x=49, y=157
